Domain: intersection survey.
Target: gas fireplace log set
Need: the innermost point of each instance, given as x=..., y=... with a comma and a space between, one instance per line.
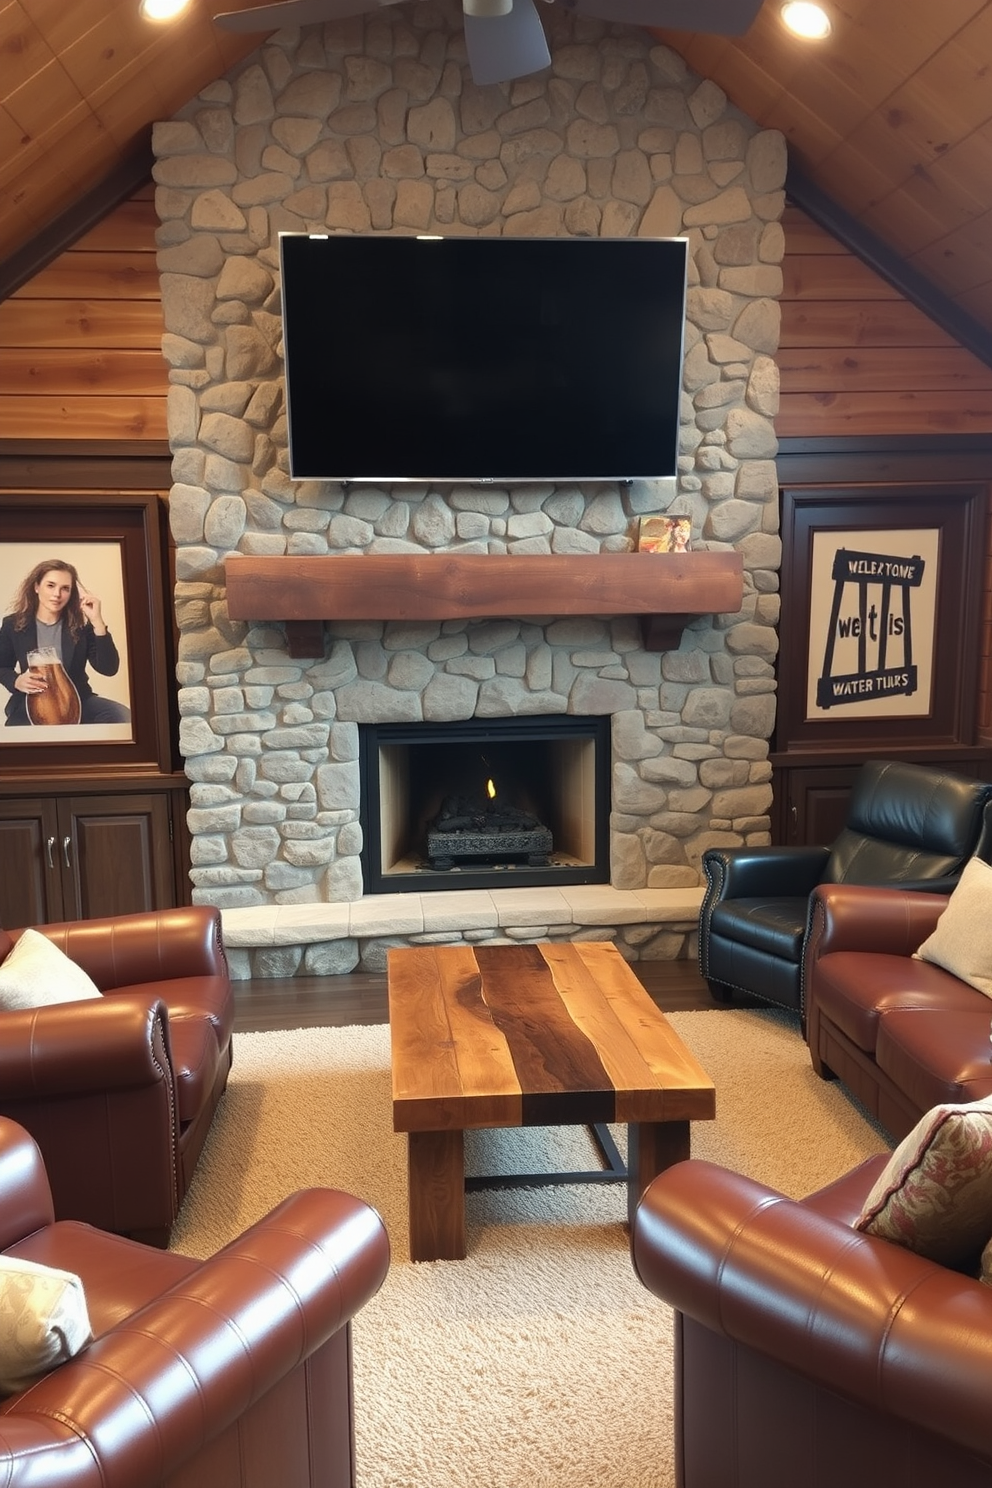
x=465, y=830
x=666, y=590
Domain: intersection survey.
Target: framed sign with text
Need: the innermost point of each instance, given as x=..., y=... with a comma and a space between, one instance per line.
x=881, y=591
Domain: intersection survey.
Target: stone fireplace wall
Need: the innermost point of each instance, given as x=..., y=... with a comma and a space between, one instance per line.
x=374, y=125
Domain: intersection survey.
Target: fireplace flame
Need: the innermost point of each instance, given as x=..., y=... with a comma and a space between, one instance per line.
x=490, y=790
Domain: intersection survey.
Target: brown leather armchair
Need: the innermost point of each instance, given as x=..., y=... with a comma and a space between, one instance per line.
x=909, y=826
x=806, y=1352
x=234, y=1372
x=903, y=1034
x=119, y=1092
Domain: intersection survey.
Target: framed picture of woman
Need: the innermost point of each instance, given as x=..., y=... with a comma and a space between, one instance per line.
x=81, y=627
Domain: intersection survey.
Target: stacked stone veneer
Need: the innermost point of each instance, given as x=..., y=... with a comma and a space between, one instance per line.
x=374, y=125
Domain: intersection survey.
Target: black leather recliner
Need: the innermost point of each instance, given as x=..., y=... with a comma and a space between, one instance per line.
x=910, y=826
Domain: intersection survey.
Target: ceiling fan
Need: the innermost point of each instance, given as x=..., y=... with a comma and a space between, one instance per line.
x=505, y=38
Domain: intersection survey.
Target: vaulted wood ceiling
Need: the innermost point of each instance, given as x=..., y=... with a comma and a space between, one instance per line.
x=891, y=118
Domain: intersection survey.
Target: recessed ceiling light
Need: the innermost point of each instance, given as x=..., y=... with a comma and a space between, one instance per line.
x=162, y=10
x=806, y=20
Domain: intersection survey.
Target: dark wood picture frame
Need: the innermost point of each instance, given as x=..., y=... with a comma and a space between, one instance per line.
x=132, y=520
x=957, y=510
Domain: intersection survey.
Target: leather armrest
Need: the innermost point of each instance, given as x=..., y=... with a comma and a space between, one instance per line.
x=746, y=872
x=147, y=1395
x=856, y=1314
x=859, y=917
x=156, y=946
x=71, y=1048
x=25, y=1196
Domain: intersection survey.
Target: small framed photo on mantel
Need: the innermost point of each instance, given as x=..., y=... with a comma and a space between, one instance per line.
x=664, y=534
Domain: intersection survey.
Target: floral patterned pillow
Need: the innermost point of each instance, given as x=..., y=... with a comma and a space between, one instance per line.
x=934, y=1195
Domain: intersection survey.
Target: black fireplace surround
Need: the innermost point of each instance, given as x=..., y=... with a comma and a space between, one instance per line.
x=554, y=770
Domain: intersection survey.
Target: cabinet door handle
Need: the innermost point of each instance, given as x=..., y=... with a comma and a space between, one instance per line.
x=49, y=844
x=65, y=851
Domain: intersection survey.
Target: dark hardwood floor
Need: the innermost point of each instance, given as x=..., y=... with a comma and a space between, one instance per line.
x=266, y=1003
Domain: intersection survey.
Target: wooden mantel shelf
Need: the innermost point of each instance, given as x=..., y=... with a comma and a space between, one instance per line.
x=666, y=590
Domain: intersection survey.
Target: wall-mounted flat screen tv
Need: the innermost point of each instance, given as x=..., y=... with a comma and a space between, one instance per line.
x=482, y=359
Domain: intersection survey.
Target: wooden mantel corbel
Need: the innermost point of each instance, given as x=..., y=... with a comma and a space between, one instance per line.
x=666, y=590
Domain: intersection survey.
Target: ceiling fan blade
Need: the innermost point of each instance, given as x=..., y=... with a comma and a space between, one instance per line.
x=507, y=46
x=715, y=17
x=295, y=13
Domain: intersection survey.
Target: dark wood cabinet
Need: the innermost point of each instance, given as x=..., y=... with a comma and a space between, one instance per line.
x=811, y=805
x=812, y=799
x=80, y=856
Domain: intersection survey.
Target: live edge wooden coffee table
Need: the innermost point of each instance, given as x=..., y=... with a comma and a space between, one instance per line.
x=528, y=1035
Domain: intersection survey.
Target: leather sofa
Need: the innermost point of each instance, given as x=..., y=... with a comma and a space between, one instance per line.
x=807, y=1353
x=914, y=826
x=234, y=1372
x=903, y=1035
x=119, y=1092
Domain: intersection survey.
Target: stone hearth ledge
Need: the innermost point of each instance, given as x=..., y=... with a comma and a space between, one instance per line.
x=331, y=939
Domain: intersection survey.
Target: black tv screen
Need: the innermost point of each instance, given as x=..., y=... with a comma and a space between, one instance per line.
x=482, y=359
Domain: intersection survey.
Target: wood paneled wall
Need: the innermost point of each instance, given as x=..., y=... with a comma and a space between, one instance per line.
x=80, y=353
x=857, y=358
x=80, y=345
x=81, y=342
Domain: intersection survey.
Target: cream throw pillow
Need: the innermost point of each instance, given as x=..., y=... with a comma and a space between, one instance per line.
x=36, y=972
x=43, y=1321
x=962, y=938
x=934, y=1194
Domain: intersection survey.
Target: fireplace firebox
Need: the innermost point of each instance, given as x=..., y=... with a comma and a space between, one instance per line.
x=485, y=803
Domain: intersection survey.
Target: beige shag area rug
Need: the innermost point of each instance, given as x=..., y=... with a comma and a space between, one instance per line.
x=539, y=1361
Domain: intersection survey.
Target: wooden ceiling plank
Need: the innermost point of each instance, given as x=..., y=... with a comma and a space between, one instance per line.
x=49, y=95
x=951, y=206
x=975, y=302
x=962, y=260
x=122, y=108
x=927, y=130
x=11, y=138
x=851, y=177
x=966, y=169
x=63, y=22
x=903, y=222
x=953, y=84
x=76, y=148
x=23, y=49
x=892, y=153
x=907, y=35
x=111, y=49
x=809, y=136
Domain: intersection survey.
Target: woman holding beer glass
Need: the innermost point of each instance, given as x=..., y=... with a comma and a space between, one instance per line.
x=55, y=631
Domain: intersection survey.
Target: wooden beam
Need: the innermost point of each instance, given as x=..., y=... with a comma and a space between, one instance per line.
x=304, y=589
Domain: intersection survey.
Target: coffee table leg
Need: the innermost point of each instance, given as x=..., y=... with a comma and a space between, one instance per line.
x=652, y=1146
x=437, y=1195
